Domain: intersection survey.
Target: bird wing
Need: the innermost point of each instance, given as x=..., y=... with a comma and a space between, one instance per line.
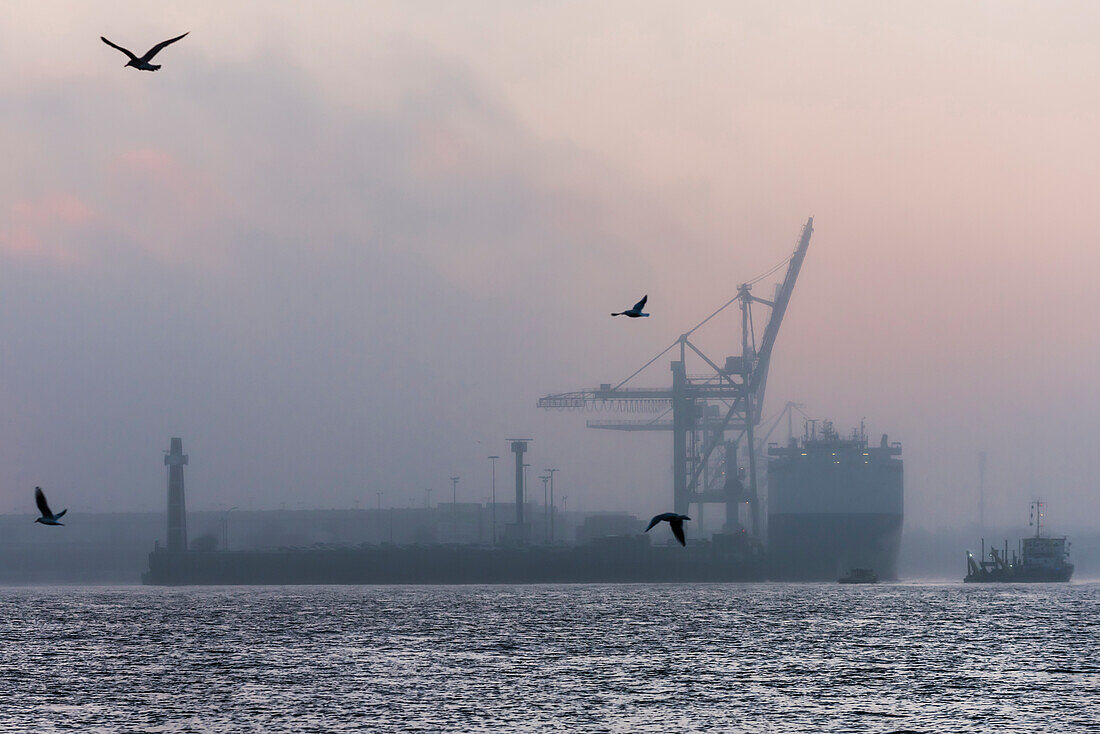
x=120, y=48
x=40, y=500
x=157, y=49
x=61, y=514
x=640, y=304
x=658, y=518
x=678, y=530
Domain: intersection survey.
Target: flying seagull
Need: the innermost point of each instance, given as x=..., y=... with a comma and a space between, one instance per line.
x=143, y=64
x=48, y=518
x=676, y=522
x=635, y=312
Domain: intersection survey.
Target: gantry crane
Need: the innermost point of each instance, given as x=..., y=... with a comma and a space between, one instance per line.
x=710, y=413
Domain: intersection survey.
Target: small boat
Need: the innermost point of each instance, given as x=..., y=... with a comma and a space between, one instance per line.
x=859, y=576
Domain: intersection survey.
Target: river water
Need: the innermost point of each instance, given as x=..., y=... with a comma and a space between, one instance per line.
x=631, y=658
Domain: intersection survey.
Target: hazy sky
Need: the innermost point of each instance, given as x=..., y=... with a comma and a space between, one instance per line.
x=344, y=247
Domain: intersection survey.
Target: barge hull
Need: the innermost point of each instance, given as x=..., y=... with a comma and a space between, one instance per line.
x=449, y=565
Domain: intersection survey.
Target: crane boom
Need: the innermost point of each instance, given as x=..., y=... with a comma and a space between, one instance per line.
x=707, y=410
x=779, y=308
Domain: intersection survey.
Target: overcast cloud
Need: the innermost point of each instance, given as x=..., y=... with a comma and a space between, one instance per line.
x=344, y=248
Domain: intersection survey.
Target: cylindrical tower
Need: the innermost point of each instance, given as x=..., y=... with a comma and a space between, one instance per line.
x=177, y=507
x=518, y=533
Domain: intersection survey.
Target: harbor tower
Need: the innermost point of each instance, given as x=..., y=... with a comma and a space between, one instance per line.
x=175, y=460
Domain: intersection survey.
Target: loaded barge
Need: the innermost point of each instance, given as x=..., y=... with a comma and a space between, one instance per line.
x=627, y=559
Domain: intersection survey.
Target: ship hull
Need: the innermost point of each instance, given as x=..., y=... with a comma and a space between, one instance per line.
x=627, y=562
x=821, y=547
x=834, y=504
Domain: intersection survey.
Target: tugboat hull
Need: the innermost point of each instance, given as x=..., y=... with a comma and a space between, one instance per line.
x=1022, y=576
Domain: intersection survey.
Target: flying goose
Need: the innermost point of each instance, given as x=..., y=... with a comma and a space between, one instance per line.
x=143, y=64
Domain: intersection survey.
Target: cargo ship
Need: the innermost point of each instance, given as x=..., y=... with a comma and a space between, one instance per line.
x=1037, y=559
x=834, y=503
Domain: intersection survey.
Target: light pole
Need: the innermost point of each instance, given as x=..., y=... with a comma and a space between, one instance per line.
x=524, y=501
x=381, y=520
x=493, y=462
x=545, y=510
x=454, y=508
x=225, y=527
x=551, y=473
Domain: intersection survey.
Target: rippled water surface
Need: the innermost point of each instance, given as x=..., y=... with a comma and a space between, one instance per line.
x=760, y=657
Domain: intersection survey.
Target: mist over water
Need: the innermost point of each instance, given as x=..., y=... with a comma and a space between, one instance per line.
x=763, y=657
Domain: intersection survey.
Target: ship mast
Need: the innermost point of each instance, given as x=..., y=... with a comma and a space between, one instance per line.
x=1037, y=515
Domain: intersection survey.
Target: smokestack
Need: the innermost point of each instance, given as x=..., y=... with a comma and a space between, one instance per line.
x=177, y=508
x=519, y=448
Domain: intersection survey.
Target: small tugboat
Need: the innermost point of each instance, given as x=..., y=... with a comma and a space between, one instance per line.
x=859, y=576
x=1039, y=559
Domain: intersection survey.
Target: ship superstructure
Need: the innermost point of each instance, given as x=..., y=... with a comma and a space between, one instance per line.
x=834, y=503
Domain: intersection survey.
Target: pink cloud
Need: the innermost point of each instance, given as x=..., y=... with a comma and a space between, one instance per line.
x=150, y=162
x=42, y=228
x=63, y=207
x=167, y=208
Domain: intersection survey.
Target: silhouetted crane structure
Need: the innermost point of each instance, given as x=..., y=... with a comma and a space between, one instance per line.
x=711, y=413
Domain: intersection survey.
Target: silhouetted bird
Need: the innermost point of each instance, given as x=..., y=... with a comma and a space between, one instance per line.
x=48, y=518
x=635, y=312
x=143, y=64
x=676, y=522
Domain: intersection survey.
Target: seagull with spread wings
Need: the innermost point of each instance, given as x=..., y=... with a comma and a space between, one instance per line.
x=48, y=518
x=636, y=312
x=676, y=522
x=143, y=64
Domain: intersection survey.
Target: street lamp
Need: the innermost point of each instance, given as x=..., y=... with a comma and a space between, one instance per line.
x=493, y=462
x=551, y=473
x=524, y=502
x=225, y=527
x=545, y=510
x=380, y=520
x=454, y=507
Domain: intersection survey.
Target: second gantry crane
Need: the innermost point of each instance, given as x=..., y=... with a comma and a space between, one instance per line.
x=711, y=412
